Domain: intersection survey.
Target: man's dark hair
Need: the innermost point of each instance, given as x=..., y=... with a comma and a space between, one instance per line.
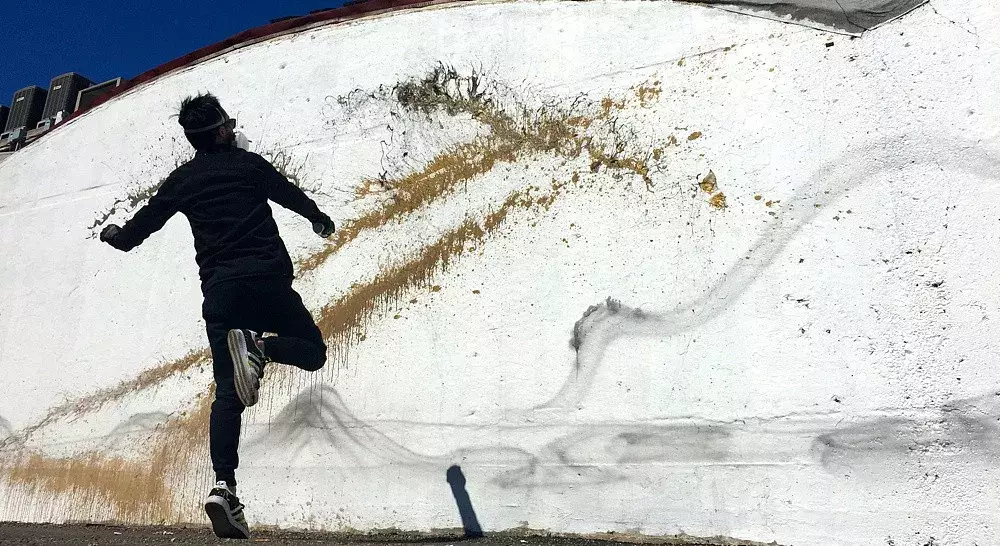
x=199, y=112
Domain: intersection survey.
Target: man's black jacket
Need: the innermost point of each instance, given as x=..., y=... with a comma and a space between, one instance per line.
x=224, y=195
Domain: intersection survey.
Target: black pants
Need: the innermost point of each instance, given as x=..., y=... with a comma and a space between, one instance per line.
x=261, y=304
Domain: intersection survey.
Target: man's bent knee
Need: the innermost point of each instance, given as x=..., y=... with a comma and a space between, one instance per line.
x=319, y=358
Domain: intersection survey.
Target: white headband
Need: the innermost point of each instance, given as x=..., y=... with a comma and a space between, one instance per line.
x=224, y=119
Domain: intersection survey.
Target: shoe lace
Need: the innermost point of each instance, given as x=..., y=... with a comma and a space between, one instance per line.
x=230, y=497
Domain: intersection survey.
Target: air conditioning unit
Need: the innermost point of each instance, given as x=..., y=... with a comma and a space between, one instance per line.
x=45, y=124
x=26, y=108
x=62, y=94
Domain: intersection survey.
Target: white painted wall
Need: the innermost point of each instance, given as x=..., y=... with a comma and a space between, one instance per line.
x=821, y=371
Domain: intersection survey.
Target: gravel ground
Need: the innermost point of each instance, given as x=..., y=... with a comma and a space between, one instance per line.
x=23, y=534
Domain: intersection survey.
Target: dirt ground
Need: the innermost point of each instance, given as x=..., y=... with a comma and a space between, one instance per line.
x=23, y=534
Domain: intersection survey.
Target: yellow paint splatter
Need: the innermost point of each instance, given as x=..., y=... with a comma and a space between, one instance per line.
x=709, y=184
x=608, y=105
x=648, y=93
x=100, y=488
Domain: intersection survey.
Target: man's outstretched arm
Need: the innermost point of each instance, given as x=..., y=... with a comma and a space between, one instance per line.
x=148, y=220
x=290, y=196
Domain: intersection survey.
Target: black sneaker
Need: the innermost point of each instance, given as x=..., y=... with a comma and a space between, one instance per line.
x=224, y=509
x=248, y=364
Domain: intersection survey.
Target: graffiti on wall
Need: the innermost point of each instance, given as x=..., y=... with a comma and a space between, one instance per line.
x=601, y=148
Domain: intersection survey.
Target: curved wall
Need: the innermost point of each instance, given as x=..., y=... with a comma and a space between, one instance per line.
x=640, y=267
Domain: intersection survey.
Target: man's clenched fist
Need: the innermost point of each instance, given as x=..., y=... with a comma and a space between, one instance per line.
x=109, y=233
x=323, y=227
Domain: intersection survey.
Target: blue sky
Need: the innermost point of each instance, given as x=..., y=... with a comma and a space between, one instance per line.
x=103, y=39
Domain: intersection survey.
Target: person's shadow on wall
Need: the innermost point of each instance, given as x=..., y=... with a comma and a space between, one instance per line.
x=470, y=524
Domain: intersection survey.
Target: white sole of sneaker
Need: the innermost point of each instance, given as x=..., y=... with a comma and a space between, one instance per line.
x=223, y=523
x=245, y=387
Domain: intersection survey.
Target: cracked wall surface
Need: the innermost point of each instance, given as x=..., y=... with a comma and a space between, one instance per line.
x=696, y=275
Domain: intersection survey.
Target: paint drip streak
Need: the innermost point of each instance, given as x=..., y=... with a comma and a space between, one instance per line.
x=343, y=322
x=100, y=488
x=94, y=401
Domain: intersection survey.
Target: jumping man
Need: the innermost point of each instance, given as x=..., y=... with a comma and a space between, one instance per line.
x=246, y=278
